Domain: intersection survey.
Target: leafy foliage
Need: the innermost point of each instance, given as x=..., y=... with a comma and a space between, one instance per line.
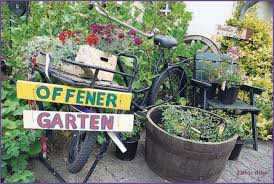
x=195, y=124
x=225, y=72
x=256, y=63
x=18, y=144
x=138, y=126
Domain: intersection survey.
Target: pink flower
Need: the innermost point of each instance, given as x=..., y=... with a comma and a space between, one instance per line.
x=138, y=41
x=108, y=39
x=121, y=36
x=96, y=28
x=233, y=50
x=132, y=32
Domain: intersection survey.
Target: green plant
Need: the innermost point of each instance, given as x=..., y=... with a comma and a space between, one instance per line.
x=18, y=144
x=194, y=124
x=58, y=50
x=101, y=138
x=225, y=73
x=256, y=62
x=138, y=126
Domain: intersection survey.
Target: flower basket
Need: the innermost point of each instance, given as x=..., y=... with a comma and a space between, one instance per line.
x=89, y=56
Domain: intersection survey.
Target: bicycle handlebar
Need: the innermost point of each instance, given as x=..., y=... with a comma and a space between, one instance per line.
x=103, y=13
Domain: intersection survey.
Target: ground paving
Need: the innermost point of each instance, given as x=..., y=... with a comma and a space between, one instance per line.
x=252, y=166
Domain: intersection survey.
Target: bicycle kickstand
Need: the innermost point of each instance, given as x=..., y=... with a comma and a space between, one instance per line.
x=50, y=168
x=99, y=156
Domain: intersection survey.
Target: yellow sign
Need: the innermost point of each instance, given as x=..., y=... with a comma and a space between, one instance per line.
x=69, y=95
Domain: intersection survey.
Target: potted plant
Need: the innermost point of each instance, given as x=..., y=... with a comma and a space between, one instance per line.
x=228, y=76
x=187, y=144
x=210, y=74
x=130, y=140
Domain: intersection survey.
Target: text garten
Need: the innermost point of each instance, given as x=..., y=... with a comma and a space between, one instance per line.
x=70, y=95
x=87, y=121
x=77, y=121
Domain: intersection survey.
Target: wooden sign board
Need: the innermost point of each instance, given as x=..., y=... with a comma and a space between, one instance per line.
x=77, y=121
x=69, y=95
x=233, y=32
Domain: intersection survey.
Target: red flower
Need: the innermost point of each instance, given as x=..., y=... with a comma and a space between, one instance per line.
x=62, y=37
x=92, y=39
x=138, y=41
x=69, y=33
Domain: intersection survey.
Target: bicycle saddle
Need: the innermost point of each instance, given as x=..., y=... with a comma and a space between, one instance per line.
x=165, y=41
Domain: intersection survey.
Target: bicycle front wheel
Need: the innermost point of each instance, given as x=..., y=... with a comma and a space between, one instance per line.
x=169, y=87
x=80, y=148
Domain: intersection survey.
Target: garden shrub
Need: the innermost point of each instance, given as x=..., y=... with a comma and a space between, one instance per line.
x=256, y=63
x=18, y=144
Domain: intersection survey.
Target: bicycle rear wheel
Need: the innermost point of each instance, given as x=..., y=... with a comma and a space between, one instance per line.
x=168, y=87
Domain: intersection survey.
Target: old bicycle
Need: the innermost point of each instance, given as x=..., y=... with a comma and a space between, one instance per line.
x=168, y=84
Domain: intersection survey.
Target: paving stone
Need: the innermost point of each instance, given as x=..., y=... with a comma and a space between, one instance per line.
x=111, y=169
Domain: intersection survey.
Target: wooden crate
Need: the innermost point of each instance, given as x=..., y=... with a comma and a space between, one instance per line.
x=92, y=56
x=87, y=55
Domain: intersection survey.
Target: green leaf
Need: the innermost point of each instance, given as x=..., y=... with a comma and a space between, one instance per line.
x=19, y=110
x=20, y=163
x=35, y=148
x=8, y=124
x=23, y=177
x=4, y=94
x=4, y=171
x=101, y=138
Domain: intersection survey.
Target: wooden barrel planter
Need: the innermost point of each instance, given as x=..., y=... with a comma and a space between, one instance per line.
x=182, y=160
